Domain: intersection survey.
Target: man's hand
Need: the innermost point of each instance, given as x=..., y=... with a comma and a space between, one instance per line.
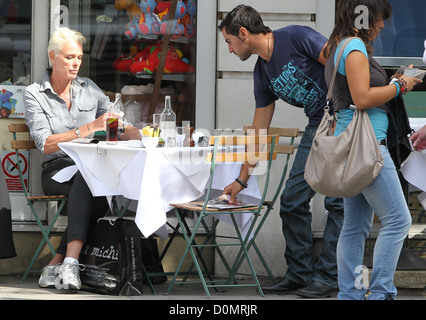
x=418, y=139
x=232, y=190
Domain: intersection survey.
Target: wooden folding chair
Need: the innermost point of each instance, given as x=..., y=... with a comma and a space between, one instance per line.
x=286, y=149
x=17, y=145
x=254, y=154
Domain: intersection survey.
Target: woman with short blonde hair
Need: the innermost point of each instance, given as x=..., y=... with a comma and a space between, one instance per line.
x=61, y=107
x=60, y=37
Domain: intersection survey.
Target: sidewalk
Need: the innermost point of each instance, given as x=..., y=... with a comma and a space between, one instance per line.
x=185, y=302
x=10, y=289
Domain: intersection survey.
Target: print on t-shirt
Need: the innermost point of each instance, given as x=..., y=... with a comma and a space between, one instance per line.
x=296, y=88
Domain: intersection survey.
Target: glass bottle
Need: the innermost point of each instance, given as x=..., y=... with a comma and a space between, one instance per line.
x=168, y=124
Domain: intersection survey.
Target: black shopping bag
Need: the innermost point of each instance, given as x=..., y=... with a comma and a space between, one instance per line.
x=112, y=258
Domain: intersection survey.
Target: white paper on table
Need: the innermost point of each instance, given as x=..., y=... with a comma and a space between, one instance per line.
x=65, y=174
x=413, y=169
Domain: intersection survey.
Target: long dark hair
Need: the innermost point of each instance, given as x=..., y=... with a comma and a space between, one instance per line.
x=243, y=16
x=346, y=17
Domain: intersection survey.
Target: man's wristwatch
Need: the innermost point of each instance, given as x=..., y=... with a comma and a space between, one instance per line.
x=77, y=132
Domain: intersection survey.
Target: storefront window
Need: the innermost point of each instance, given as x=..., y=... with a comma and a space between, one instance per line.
x=405, y=33
x=15, y=55
x=116, y=38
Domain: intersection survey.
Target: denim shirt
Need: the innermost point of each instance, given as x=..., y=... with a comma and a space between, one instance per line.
x=46, y=113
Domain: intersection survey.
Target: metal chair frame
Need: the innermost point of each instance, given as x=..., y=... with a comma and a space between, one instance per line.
x=203, y=211
x=17, y=145
x=285, y=149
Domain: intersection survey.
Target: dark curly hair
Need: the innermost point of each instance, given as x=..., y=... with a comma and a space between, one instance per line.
x=346, y=17
x=243, y=16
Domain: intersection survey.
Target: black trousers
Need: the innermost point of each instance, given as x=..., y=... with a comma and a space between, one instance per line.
x=82, y=207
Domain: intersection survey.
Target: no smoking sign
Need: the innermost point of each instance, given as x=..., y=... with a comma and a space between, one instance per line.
x=10, y=168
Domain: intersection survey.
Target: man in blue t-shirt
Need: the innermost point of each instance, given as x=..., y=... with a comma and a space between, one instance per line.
x=290, y=67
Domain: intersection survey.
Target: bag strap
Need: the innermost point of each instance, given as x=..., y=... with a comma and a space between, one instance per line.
x=339, y=57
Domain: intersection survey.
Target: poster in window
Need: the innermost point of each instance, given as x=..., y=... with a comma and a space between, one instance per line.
x=11, y=102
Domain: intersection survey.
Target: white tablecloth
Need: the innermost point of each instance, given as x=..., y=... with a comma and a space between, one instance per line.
x=154, y=177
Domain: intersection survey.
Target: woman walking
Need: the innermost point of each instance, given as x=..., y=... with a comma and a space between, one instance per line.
x=361, y=81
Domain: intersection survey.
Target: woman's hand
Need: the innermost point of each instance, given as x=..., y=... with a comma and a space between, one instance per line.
x=98, y=124
x=410, y=81
x=397, y=75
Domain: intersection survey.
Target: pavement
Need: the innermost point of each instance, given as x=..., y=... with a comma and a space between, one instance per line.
x=184, y=302
x=10, y=289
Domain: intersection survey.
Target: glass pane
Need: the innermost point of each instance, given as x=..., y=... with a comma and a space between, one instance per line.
x=116, y=39
x=405, y=34
x=15, y=55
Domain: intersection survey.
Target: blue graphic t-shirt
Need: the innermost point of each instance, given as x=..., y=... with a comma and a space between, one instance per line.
x=293, y=74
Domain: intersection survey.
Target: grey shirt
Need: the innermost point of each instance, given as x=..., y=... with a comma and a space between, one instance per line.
x=341, y=95
x=46, y=113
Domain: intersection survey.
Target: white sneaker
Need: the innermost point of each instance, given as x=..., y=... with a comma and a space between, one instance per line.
x=48, y=276
x=68, y=277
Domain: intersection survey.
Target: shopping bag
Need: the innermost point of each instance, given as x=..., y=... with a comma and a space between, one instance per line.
x=342, y=166
x=112, y=258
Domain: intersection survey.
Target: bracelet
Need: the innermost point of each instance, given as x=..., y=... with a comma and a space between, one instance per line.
x=401, y=86
x=404, y=88
x=241, y=182
x=398, y=88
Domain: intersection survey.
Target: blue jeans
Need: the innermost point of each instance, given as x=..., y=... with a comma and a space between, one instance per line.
x=296, y=224
x=385, y=198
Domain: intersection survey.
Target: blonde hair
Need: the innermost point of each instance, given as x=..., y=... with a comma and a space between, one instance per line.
x=60, y=37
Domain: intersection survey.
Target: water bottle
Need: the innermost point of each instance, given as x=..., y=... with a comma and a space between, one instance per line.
x=168, y=124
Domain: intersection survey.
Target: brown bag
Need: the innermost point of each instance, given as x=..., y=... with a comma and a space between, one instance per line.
x=342, y=166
